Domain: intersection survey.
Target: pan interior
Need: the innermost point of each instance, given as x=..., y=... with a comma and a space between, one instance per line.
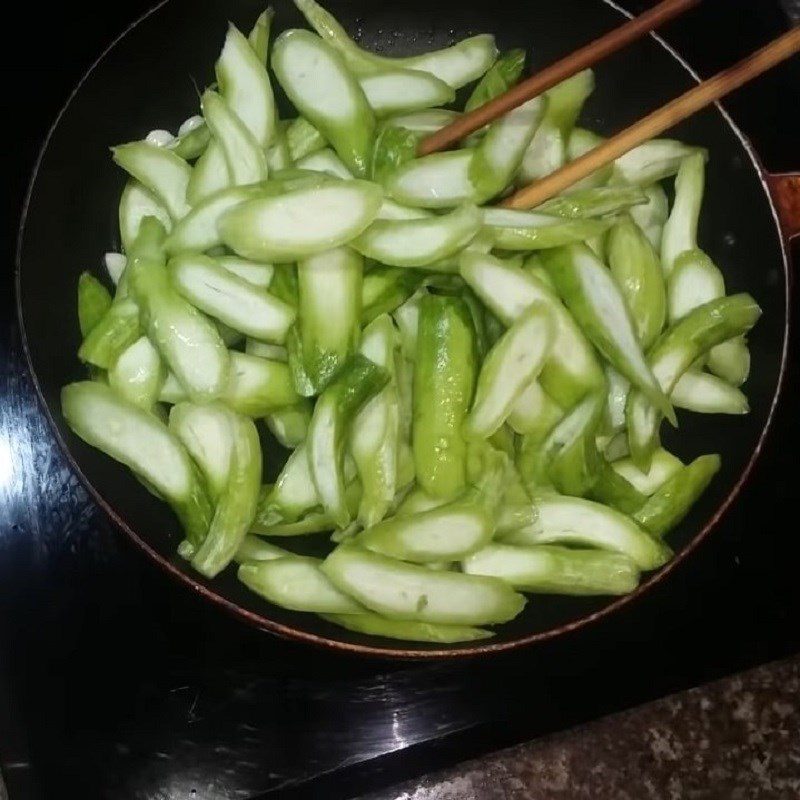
x=71, y=221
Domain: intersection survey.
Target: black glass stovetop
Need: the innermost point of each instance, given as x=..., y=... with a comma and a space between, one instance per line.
x=115, y=683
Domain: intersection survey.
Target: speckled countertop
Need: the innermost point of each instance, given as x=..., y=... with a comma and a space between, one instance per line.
x=737, y=739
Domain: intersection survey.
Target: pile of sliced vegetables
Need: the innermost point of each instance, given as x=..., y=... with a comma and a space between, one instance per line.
x=472, y=396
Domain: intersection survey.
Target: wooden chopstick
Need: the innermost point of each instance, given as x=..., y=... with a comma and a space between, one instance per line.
x=588, y=55
x=659, y=121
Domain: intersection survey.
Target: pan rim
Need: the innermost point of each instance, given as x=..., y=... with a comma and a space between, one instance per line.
x=262, y=622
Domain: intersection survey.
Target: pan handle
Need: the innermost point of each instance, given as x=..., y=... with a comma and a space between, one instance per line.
x=785, y=190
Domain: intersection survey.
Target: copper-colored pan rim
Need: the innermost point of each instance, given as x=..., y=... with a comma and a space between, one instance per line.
x=379, y=651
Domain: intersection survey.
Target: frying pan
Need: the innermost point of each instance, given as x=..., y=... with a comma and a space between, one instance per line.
x=149, y=77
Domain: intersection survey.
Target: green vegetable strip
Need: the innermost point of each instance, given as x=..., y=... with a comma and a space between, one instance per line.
x=404, y=90
x=545, y=154
x=139, y=440
x=356, y=383
x=314, y=522
x=258, y=386
x=579, y=143
x=422, y=122
x=572, y=521
x=670, y=504
x=446, y=533
x=329, y=313
x=298, y=584
x=186, y=340
x=509, y=368
x=637, y=271
x=292, y=496
x=303, y=138
x=197, y=231
x=534, y=412
x=419, y=242
x=417, y=502
x=94, y=301
x=694, y=281
x=613, y=490
x=394, y=146
x=259, y=275
x=292, y=178
x=301, y=222
x=556, y=570
x=258, y=38
x=404, y=591
x=236, y=506
x=708, y=394
x=565, y=101
x=278, y=156
x=572, y=369
x=254, y=549
x=593, y=297
x=327, y=162
x=499, y=154
x=456, y=65
x=476, y=310
x=375, y=437
x=406, y=630
x=209, y=176
x=230, y=299
x=290, y=425
x=490, y=472
x=662, y=467
x=444, y=381
x=652, y=161
x=518, y=510
x=406, y=318
x=192, y=140
x=680, y=231
x=569, y=454
x=384, y=289
x=136, y=203
x=594, y=202
x=614, y=447
x=284, y=284
x=138, y=374
x=730, y=361
x=652, y=215
x=452, y=264
x=530, y=230
x=160, y=170
x=675, y=352
x=120, y=327
x=171, y=391
x=499, y=78
x=547, y=150
x=269, y=520
x=244, y=83
x=616, y=399
x=243, y=154
x=440, y=180
x=328, y=96
x=206, y=431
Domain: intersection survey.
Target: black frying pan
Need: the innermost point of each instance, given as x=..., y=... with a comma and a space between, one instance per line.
x=147, y=79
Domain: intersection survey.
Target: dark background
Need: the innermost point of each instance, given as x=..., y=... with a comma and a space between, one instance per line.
x=114, y=683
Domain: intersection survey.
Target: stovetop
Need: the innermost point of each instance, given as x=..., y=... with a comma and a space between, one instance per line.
x=116, y=683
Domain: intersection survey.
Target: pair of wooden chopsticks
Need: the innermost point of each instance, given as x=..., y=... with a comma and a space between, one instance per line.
x=652, y=125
